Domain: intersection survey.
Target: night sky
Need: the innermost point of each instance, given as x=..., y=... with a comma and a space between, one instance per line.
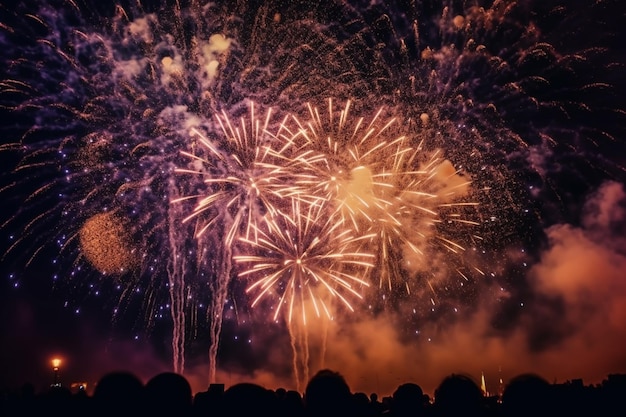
x=510, y=252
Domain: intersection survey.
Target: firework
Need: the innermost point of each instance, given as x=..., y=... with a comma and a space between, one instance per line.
x=99, y=133
x=301, y=253
x=245, y=178
x=104, y=242
x=302, y=263
x=137, y=152
x=384, y=184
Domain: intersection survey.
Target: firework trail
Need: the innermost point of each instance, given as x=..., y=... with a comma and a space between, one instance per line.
x=176, y=272
x=305, y=259
x=246, y=178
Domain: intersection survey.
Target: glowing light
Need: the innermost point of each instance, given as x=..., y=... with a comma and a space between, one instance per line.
x=105, y=243
x=245, y=175
x=302, y=254
x=137, y=153
x=245, y=178
x=383, y=183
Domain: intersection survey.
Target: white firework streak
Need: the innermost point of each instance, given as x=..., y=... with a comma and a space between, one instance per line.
x=383, y=185
x=302, y=254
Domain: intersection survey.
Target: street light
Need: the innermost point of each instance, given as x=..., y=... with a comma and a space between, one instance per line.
x=56, y=364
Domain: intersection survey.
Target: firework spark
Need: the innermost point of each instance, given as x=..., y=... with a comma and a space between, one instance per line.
x=384, y=184
x=495, y=118
x=302, y=262
x=245, y=179
x=245, y=175
x=301, y=253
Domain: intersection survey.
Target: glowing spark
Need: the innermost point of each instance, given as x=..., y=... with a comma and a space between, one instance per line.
x=383, y=183
x=245, y=176
x=303, y=255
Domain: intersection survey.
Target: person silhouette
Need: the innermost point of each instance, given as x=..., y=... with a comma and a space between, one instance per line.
x=458, y=395
x=407, y=400
x=168, y=394
x=248, y=399
x=525, y=395
x=327, y=394
x=119, y=393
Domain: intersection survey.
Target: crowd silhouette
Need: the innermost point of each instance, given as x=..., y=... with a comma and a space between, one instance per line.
x=326, y=394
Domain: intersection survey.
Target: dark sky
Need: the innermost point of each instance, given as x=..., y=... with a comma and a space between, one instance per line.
x=526, y=101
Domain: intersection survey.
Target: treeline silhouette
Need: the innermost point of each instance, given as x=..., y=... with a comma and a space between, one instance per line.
x=326, y=394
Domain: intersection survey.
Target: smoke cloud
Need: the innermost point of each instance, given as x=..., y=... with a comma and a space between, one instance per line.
x=578, y=285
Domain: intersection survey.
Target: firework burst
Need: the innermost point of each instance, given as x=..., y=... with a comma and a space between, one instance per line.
x=302, y=253
x=136, y=161
x=386, y=185
x=245, y=178
x=245, y=175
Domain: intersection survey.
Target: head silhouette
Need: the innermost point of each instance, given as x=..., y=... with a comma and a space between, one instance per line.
x=407, y=400
x=526, y=394
x=247, y=399
x=119, y=393
x=168, y=393
x=458, y=395
x=327, y=393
